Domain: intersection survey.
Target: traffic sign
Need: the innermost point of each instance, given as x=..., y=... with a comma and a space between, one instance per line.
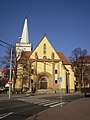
x=9, y=82
x=59, y=79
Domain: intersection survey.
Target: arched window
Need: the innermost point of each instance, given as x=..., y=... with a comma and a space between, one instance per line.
x=44, y=48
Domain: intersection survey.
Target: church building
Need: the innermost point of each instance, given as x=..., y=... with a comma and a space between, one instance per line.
x=43, y=70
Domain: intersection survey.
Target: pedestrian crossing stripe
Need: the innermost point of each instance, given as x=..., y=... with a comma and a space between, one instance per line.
x=41, y=101
x=44, y=102
x=57, y=104
x=51, y=103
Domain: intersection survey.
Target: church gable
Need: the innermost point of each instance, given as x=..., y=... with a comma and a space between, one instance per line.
x=45, y=48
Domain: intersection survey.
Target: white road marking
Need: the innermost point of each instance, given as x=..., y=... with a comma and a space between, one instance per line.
x=51, y=103
x=5, y=115
x=45, y=102
x=57, y=104
x=40, y=101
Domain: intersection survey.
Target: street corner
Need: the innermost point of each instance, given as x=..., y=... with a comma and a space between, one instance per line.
x=75, y=110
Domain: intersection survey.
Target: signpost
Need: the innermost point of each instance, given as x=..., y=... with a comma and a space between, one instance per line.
x=59, y=79
x=9, y=82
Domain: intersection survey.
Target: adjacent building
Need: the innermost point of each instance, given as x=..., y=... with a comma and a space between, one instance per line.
x=82, y=71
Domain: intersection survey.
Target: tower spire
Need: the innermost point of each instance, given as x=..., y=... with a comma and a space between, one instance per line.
x=25, y=35
x=24, y=44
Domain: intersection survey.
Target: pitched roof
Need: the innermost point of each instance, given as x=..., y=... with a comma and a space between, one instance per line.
x=63, y=58
x=86, y=59
x=25, y=56
x=3, y=70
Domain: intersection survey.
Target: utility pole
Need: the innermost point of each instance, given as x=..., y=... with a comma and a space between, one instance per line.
x=10, y=77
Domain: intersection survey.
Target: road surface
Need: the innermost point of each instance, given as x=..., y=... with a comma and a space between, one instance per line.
x=24, y=107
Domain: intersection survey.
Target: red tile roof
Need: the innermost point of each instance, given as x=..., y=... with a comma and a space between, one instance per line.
x=3, y=70
x=25, y=56
x=85, y=59
x=63, y=58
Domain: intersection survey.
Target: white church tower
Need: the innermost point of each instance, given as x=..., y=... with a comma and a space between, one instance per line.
x=24, y=44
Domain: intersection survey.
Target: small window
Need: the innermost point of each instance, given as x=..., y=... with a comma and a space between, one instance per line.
x=44, y=48
x=31, y=81
x=56, y=81
x=55, y=71
x=32, y=71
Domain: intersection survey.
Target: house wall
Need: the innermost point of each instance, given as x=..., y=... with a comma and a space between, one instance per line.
x=71, y=78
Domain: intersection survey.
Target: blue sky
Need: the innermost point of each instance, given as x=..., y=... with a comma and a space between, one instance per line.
x=66, y=22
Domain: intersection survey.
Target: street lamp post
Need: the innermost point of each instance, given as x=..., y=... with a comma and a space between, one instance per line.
x=10, y=77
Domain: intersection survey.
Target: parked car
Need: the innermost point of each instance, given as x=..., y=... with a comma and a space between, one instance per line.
x=2, y=89
x=87, y=93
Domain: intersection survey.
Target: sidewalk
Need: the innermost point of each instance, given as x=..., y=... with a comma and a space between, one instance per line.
x=13, y=96
x=16, y=96
x=76, y=110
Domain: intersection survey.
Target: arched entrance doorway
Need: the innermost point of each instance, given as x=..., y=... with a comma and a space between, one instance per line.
x=43, y=80
x=43, y=83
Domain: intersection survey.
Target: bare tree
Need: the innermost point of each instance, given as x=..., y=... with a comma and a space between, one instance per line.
x=23, y=61
x=76, y=53
x=5, y=61
x=78, y=59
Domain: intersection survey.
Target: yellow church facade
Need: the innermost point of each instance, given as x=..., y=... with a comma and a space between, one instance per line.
x=43, y=70
x=48, y=65
x=45, y=67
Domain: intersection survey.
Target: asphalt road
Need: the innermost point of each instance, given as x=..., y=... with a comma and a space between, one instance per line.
x=24, y=107
x=18, y=110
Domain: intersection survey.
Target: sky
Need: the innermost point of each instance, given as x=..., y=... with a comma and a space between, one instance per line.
x=65, y=22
